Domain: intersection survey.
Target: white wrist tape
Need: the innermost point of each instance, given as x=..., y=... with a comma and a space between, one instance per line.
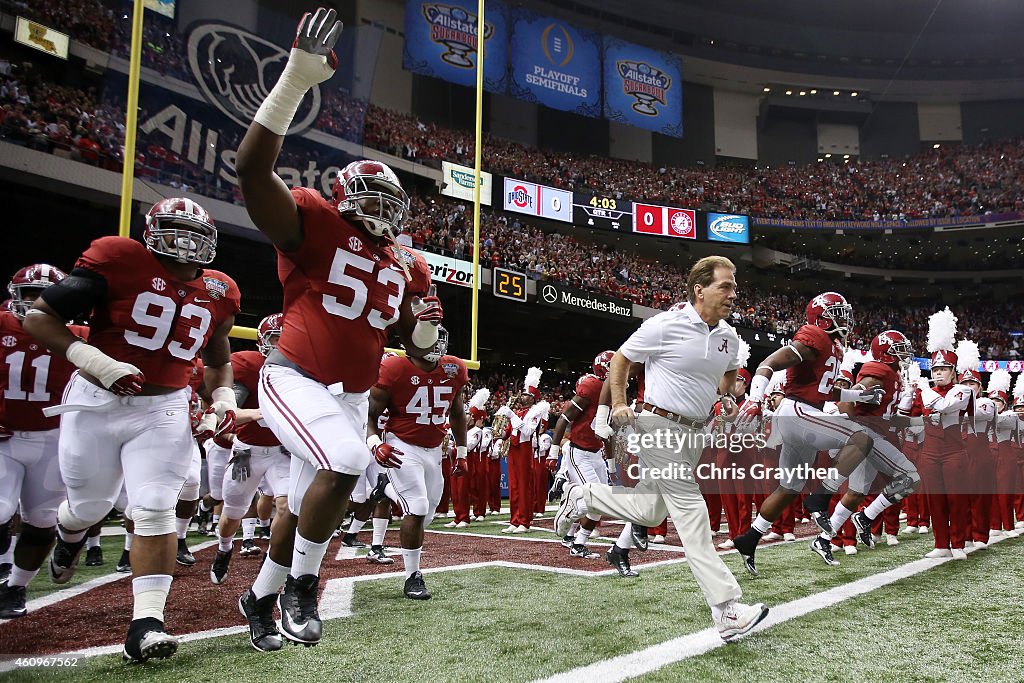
x=460, y=452
x=424, y=335
x=372, y=441
x=603, y=414
x=278, y=110
x=98, y=364
x=223, y=400
x=554, y=452
x=758, y=385
x=849, y=395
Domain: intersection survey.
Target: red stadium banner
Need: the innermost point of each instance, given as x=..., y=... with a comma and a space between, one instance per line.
x=666, y=221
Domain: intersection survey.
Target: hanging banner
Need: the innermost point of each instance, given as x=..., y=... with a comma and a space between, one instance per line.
x=458, y=182
x=643, y=87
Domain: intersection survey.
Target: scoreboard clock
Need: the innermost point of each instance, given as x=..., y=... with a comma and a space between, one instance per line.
x=508, y=284
x=602, y=212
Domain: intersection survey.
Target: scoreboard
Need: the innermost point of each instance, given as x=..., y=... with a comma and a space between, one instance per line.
x=602, y=212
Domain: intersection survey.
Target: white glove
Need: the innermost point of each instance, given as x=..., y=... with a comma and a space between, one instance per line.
x=604, y=431
x=906, y=400
x=872, y=396
x=506, y=411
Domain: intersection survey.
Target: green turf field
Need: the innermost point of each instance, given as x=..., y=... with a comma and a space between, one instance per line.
x=958, y=621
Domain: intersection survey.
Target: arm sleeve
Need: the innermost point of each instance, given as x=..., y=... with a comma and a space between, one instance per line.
x=954, y=401
x=76, y=295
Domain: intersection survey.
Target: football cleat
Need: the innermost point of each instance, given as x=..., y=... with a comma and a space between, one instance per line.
x=94, y=557
x=639, y=534
x=220, y=566
x=580, y=550
x=64, y=560
x=822, y=521
x=350, y=541
x=568, y=511
x=555, y=492
x=746, y=545
x=184, y=557
x=415, y=588
x=124, y=565
x=300, y=620
x=823, y=548
x=147, y=640
x=263, y=633
x=738, y=619
x=567, y=540
x=249, y=548
x=619, y=558
x=12, y=601
x=5, y=570
x=863, y=524
x=377, y=556
x=263, y=532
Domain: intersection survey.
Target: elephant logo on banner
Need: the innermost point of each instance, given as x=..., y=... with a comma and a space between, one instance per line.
x=235, y=70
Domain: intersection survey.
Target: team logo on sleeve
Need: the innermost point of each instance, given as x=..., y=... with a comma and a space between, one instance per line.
x=158, y=284
x=414, y=380
x=216, y=288
x=10, y=341
x=450, y=369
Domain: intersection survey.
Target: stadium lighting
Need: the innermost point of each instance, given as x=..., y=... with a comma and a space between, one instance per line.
x=935, y=146
x=814, y=92
x=828, y=156
x=767, y=89
x=853, y=94
x=789, y=92
x=835, y=92
x=802, y=93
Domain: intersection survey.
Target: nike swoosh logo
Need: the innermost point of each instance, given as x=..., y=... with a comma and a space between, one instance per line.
x=443, y=381
x=299, y=552
x=201, y=301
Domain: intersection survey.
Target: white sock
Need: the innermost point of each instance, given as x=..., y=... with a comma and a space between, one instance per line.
x=270, y=579
x=380, y=527
x=67, y=536
x=8, y=557
x=248, y=528
x=225, y=543
x=92, y=542
x=150, y=596
x=128, y=538
x=21, y=577
x=625, y=541
x=356, y=526
x=307, y=556
x=215, y=520
x=839, y=516
x=582, y=536
x=761, y=525
x=181, y=526
x=878, y=506
x=574, y=529
x=412, y=561
x=717, y=610
x=264, y=523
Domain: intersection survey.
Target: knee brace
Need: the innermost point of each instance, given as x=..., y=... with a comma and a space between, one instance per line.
x=189, y=491
x=84, y=517
x=153, y=522
x=902, y=486
x=36, y=536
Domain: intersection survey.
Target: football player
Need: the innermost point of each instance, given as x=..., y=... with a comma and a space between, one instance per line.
x=126, y=412
x=421, y=395
x=346, y=282
x=32, y=379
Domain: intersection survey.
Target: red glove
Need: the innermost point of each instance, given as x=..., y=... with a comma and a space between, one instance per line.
x=459, y=468
x=5, y=433
x=225, y=440
x=129, y=385
x=226, y=425
x=386, y=455
x=429, y=310
x=552, y=465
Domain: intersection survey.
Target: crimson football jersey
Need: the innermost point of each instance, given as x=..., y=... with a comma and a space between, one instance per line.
x=891, y=384
x=420, y=399
x=31, y=378
x=581, y=433
x=342, y=290
x=149, y=319
x=812, y=380
x=246, y=366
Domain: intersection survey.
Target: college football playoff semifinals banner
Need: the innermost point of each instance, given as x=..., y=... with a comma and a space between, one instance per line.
x=555, y=64
x=643, y=87
x=440, y=41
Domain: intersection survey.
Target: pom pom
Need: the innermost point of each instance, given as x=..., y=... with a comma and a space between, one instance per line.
x=743, y=356
x=968, y=356
x=532, y=378
x=941, y=331
x=1018, y=387
x=479, y=399
x=999, y=381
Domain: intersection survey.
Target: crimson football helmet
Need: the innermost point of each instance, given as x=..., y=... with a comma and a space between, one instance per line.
x=182, y=230
x=268, y=332
x=891, y=346
x=38, y=276
x=602, y=363
x=440, y=346
x=831, y=312
x=370, y=191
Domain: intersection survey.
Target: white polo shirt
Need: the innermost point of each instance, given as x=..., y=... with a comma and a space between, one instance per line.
x=684, y=360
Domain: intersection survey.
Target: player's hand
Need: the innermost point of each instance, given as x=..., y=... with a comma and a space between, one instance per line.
x=225, y=440
x=225, y=424
x=872, y=396
x=729, y=409
x=241, y=465
x=747, y=413
x=428, y=310
x=5, y=433
x=622, y=416
x=459, y=467
x=312, y=58
x=552, y=464
x=128, y=384
x=386, y=455
x=604, y=431
x=206, y=427
x=554, y=452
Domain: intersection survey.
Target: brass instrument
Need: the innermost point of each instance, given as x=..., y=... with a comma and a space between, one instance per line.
x=500, y=424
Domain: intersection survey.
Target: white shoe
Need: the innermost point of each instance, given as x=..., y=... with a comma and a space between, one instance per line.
x=876, y=538
x=980, y=545
x=771, y=536
x=995, y=533
x=738, y=618
x=596, y=533
x=850, y=550
x=788, y=537
x=509, y=529
x=968, y=544
x=958, y=554
x=1011, y=534
x=909, y=530
x=1019, y=525
x=890, y=539
x=478, y=518
x=658, y=538
x=805, y=520
x=726, y=545
x=538, y=515
x=450, y=514
x=449, y=525
x=569, y=509
x=833, y=547
x=521, y=530
x=922, y=529
x=940, y=552
x=461, y=525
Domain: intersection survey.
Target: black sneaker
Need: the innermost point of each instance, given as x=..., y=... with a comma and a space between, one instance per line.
x=12, y=601
x=94, y=557
x=378, y=556
x=555, y=493
x=863, y=524
x=263, y=633
x=263, y=532
x=568, y=540
x=300, y=621
x=124, y=565
x=249, y=548
x=822, y=547
x=185, y=557
x=147, y=640
x=640, y=537
x=64, y=560
x=619, y=558
x=824, y=524
x=746, y=545
x=580, y=550
x=5, y=570
x=377, y=494
x=220, y=566
x=350, y=541
x=415, y=588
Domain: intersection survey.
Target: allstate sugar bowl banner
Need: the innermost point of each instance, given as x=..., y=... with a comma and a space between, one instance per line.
x=440, y=41
x=642, y=87
x=555, y=64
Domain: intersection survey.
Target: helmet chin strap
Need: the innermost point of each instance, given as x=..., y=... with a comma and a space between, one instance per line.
x=394, y=242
